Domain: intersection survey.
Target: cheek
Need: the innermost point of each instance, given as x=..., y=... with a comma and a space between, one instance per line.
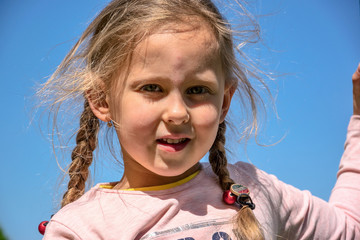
x=206, y=122
x=135, y=118
x=208, y=115
x=206, y=118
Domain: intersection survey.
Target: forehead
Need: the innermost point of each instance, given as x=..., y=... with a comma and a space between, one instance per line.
x=198, y=32
x=181, y=44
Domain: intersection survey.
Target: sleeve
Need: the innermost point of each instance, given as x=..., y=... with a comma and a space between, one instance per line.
x=303, y=216
x=346, y=193
x=58, y=231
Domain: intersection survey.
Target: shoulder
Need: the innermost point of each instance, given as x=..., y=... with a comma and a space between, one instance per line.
x=263, y=186
x=259, y=181
x=243, y=173
x=265, y=189
x=83, y=205
x=249, y=175
x=79, y=216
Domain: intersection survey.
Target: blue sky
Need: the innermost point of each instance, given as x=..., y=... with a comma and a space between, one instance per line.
x=313, y=46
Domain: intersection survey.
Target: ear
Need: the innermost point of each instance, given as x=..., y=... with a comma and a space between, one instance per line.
x=98, y=102
x=228, y=94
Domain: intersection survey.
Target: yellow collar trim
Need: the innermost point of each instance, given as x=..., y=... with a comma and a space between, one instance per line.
x=157, y=188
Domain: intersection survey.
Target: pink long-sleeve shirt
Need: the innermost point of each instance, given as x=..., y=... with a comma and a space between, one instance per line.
x=195, y=210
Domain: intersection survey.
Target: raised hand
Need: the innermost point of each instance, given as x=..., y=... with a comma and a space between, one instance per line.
x=356, y=90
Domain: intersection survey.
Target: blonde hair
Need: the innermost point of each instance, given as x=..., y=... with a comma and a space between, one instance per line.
x=108, y=42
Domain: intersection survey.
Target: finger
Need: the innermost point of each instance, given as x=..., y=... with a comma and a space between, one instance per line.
x=356, y=91
x=356, y=75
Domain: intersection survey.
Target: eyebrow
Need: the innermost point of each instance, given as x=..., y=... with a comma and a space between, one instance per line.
x=165, y=80
x=154, y=79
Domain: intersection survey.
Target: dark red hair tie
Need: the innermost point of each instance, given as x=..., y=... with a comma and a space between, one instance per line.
x=239, y=194
x=42, y=226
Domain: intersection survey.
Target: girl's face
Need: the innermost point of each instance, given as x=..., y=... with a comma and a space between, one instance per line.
x=168, y=109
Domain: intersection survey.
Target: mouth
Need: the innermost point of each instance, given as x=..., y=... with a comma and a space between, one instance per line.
x=172, y=145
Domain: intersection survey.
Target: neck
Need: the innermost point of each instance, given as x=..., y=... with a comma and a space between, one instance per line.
x=146, y=178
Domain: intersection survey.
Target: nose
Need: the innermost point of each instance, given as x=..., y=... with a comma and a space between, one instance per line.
x=176, y=111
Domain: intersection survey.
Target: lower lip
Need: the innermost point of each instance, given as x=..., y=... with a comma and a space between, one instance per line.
x=172, y=147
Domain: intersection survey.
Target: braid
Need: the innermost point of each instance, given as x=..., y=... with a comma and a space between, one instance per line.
x=246, y=224
x=218, y=160
x=82, y=155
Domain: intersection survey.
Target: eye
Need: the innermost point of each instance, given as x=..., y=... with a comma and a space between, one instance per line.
x=197, y=90
x=151, y=88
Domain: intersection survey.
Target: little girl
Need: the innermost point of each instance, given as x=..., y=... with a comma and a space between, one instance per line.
x=162, y=74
